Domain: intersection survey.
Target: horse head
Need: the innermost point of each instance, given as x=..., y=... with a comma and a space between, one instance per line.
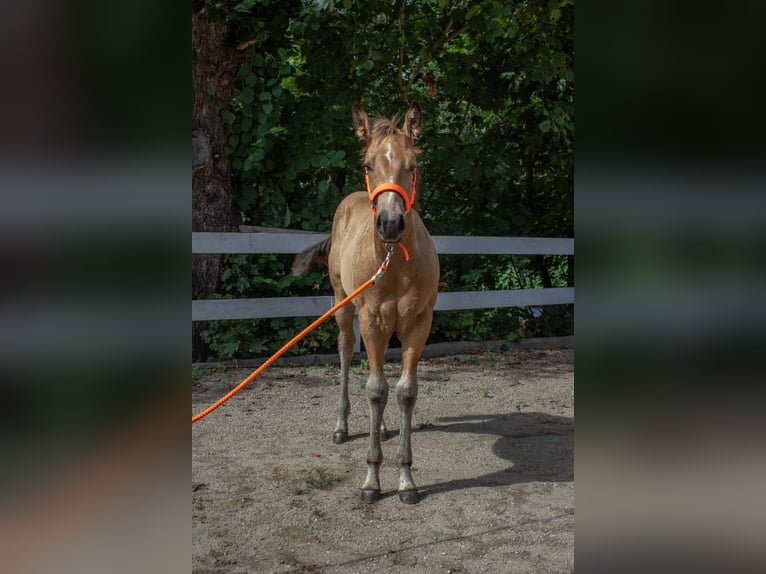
x=390, y=167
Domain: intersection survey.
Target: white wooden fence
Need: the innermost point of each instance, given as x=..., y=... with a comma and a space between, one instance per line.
x=278, y=241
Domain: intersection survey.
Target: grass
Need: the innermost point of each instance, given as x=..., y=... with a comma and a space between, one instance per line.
x=197, y=374
x=490, y=360
x=487, y=360
x=319, y=479
x=363, y=368
x=331, y=370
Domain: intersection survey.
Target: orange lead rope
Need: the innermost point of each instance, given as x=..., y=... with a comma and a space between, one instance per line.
x=252, y=376
x=372, y=194
x=404, y=250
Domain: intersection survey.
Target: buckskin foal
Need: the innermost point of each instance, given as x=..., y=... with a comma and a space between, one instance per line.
x=365, y=226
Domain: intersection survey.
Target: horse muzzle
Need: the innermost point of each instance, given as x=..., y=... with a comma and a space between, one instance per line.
x=389, y=226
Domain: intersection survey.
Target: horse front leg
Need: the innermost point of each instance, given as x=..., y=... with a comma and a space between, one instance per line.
x=406, y=395
x=375, y=342
x=377, y=396
x=344, y=317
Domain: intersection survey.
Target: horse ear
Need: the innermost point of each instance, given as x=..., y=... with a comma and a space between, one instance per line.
x=413, y=121
x=361, y=122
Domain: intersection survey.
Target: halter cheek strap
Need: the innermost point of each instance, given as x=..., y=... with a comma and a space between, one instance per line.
x=409, y=200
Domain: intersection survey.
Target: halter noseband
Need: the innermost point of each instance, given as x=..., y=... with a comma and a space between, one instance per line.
x=409, y=200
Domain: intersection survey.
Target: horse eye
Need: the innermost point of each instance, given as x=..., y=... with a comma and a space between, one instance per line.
x=366, y=165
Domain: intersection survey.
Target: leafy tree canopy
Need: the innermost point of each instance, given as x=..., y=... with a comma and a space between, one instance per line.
x=495, y=80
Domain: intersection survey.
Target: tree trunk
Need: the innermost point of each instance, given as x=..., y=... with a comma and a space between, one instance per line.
x=214, y=65
x=570, y=258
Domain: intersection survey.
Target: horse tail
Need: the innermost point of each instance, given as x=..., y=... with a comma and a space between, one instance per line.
x=317, y=254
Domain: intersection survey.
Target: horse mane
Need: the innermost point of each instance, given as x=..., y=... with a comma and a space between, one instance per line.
x=385, y=126
x=382, y=127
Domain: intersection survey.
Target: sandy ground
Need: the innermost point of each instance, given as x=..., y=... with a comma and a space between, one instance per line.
x=493, y=460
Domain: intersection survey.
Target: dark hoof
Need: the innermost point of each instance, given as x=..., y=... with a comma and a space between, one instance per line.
x=370, y=496
x=409, y=496
x=339, y=437
x=383, y=435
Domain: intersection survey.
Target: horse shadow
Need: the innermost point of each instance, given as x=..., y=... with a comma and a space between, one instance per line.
x=538, y=447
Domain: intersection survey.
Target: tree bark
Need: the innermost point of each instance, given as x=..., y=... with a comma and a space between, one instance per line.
x=215, y=61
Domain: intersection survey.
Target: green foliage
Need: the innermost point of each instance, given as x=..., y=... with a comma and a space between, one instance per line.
x=246, y=276
x=495, y=81
x=481, y=273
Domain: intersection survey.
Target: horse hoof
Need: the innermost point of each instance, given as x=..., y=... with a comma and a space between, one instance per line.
x=370, y=496
x=383, y=435
x=409, y=496
x=339, y=437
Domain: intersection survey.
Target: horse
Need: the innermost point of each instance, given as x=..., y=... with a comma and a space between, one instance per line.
x=365, y=227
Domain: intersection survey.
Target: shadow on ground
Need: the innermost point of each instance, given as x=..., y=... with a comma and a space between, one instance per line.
x=538, y=447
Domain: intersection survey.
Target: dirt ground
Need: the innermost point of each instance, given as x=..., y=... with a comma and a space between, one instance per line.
x=493, y=460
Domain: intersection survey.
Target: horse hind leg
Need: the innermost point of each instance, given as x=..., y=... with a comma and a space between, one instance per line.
x=344, y=317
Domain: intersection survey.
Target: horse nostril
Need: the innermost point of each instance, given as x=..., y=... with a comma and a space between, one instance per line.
x=389, y=227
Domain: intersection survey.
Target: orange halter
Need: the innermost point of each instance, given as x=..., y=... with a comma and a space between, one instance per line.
x=409, y=200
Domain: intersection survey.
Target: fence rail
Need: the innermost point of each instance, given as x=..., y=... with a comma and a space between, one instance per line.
x=295, y=242
x=280, y=241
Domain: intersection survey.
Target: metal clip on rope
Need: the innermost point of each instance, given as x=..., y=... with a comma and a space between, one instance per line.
x=383, y=266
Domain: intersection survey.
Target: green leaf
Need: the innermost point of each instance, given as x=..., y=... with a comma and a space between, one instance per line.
x=254, y=159
x=227, y=117
x=247, y=95
x=322, y=189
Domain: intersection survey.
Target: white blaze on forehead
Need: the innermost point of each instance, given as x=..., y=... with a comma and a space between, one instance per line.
x=390, y=201
x=390, y=158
